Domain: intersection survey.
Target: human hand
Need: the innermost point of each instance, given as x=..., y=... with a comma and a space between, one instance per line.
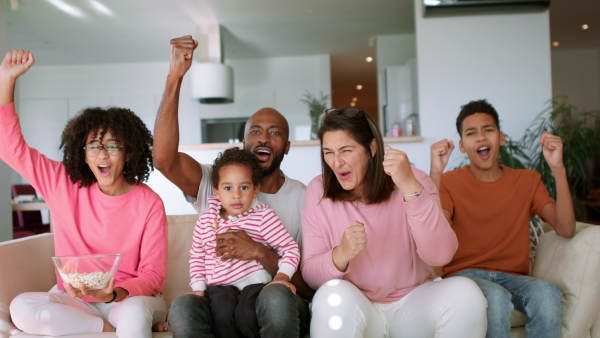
x=397, y=165
x=236, y=244
x=103, y=295
x=353, y=241
x=552, y=148
x=197, y=293
x=182, y=50
x=15, y=63
x=282, y=278
x=440, y=154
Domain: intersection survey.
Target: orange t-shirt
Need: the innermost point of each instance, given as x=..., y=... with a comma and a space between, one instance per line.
x=491, y=219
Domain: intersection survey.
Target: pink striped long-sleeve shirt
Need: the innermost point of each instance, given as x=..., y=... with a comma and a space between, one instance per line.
x=261, y=224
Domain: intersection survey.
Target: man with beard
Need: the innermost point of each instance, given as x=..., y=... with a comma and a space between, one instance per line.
x=279, y=312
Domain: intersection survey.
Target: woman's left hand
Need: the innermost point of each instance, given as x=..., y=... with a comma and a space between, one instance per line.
x=397, y=165
x=103, y=295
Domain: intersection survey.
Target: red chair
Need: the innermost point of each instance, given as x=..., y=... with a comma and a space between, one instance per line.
x=27, y=223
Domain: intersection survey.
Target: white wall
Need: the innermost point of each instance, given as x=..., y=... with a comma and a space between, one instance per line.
x=50, y=95
x=576, y=73
x=502, y=57
x=5, y=175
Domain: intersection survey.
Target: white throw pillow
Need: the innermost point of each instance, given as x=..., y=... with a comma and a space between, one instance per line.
x=574, y=266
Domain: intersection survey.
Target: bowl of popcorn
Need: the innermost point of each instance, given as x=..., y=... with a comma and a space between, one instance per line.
x=91, y=271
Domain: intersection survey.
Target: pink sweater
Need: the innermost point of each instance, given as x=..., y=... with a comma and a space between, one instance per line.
x=260, y=223
x=404, y=240
x=86, y=221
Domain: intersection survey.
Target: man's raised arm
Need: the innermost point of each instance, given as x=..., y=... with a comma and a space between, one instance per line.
x=179, y=168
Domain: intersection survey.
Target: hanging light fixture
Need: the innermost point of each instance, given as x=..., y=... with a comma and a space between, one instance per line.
x=212, y=80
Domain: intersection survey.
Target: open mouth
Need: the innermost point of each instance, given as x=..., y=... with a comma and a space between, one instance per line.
x=263, y=154
x=104, y=169
x=483, y=152
x=344, y=176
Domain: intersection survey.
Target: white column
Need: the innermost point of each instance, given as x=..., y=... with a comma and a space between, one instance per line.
x=503, y=57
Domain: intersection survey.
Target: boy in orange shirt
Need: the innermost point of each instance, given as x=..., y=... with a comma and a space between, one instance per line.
x=489, y=206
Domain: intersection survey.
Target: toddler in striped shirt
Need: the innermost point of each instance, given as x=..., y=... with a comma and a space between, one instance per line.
x=233, y=285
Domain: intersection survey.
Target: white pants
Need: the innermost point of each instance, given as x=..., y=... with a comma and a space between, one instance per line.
x=55, y=313
x=453, y=307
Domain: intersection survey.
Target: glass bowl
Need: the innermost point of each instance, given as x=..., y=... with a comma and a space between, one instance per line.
x=93, y=271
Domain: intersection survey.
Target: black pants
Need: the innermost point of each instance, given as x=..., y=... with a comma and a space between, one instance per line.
x=234, y=311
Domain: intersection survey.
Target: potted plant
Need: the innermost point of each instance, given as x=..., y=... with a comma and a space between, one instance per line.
x=581, y=146
x=316, y=108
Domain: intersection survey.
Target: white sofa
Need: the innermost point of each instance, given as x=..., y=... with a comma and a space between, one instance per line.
x=573, y=264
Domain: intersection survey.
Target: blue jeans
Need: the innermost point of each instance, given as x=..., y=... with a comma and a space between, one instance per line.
x=540, y=300
x=280, y=313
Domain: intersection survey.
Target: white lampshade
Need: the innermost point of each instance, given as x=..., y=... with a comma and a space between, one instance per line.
x=212, y=82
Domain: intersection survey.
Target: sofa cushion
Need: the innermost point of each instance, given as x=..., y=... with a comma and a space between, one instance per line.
x=574, y=266
x=181, y=228
x=22, y=273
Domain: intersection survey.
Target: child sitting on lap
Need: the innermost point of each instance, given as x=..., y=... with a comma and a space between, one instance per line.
x=233, y=285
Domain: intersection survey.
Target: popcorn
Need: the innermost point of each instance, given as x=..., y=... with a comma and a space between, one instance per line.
x=93, y=280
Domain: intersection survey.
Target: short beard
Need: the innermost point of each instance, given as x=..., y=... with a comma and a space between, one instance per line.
x=274, y=165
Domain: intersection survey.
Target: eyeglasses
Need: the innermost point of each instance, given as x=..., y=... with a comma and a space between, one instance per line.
x=346, y=111
x=112, y=149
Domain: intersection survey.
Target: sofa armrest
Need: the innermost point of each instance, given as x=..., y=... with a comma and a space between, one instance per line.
x=26, y=266
x=573, y=264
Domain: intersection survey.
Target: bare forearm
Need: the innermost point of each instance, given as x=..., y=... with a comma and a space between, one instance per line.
x=436, y=177
x=179, y=168
x=7, y=91
x=269, y=260
x=338, y=259
x=565, y=215
x=166, y=129
x=121, y=294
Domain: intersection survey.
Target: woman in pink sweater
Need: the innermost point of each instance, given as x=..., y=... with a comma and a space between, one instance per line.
x=372, y=229
x=98, y=205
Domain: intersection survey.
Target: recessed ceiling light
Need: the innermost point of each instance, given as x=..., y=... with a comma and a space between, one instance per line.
x=555, y=44
x=354, y=99
x=101, y=8
x=584, y=27
x=352, y=104
x=358, y=87
x=369, y=59
x=67, y=8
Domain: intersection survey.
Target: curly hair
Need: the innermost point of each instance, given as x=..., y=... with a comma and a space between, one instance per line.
x=474, y=107
x=129, y=130
x=378, y=186
x=233, y=156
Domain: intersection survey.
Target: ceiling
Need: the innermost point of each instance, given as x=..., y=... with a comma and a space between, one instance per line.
x=139, y=30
